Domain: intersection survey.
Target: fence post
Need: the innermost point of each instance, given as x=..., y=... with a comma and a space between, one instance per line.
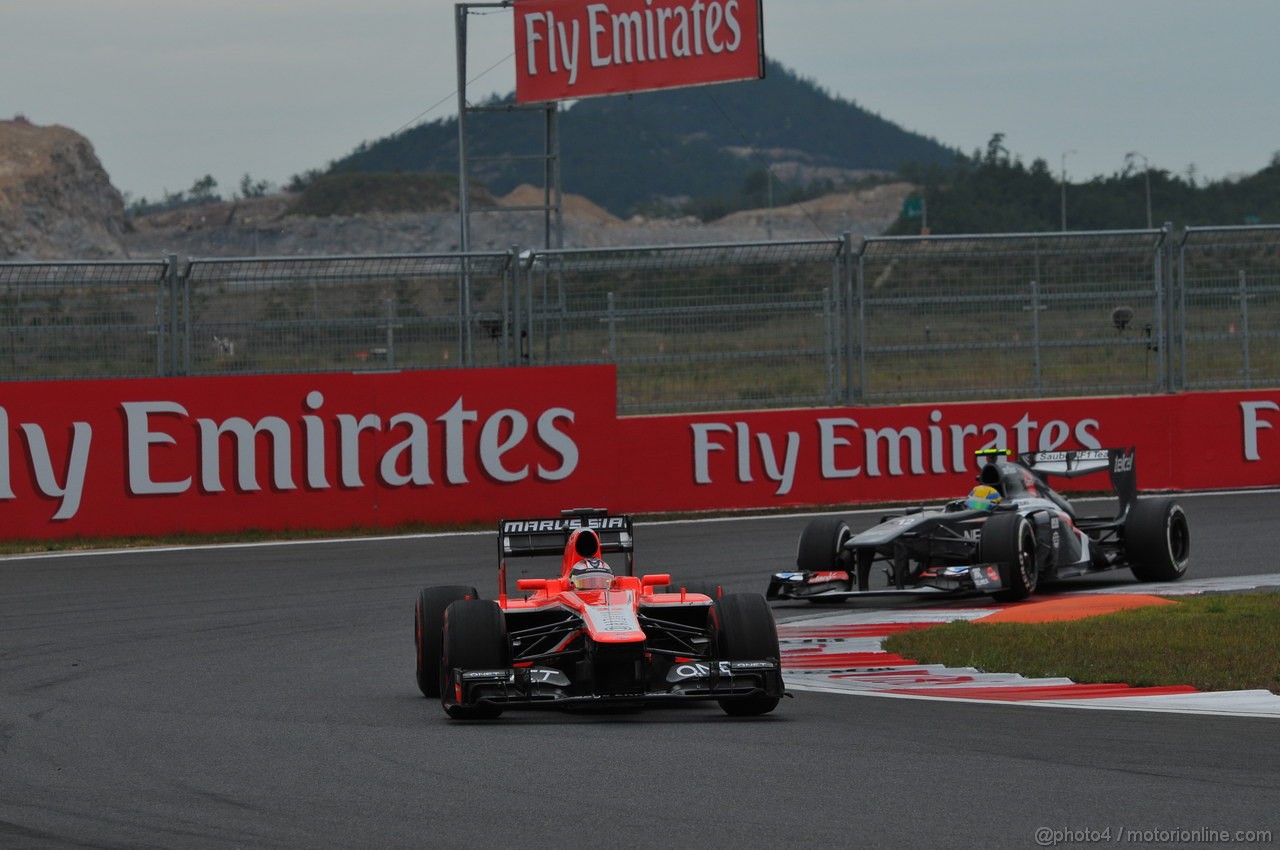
x=529, y=305
x=831, y=341
x=391, y=333
x=163, y=295
x=1179, y=274
x=171, y=281
x=845, y=259
x=510, y=275
x=1035, y=337
x=613, y=329
x=1244, y=329
x=1166, y=313
x=861, y=291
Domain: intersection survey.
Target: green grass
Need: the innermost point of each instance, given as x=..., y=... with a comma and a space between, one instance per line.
x=1213, y=642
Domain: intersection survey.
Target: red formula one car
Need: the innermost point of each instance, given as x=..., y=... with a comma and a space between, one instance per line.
x=588, y=637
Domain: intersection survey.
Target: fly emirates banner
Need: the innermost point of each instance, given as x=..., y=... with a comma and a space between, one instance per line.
x=568, y=49
x=382, y=450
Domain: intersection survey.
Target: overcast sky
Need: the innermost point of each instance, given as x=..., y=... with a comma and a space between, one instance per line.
x=171, y=90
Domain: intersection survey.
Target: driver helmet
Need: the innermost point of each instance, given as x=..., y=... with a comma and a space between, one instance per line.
x=591, y=574
x=982, y=498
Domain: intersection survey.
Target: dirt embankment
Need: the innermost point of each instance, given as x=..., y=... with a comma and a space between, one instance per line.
x=57, y=202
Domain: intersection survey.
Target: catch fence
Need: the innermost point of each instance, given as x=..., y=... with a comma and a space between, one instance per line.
x=693, y=327
x=1229, y=307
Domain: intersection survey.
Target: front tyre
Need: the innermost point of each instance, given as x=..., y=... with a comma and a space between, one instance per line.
x=428, y=621
x=821, y=543
x=746, y=631
x=1009, y=541
x=1157, y=540
x=475, y=638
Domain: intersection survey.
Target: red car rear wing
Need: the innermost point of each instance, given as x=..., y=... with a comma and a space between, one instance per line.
x=520, y=538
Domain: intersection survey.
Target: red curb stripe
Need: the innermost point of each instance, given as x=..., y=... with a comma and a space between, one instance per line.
x=906, y=677
x=863, y=630
x=1042, y=692
x=884, y=668
x=887, y=668
x=842, y=660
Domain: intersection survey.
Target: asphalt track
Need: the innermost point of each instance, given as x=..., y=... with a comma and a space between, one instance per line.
x=264, y=697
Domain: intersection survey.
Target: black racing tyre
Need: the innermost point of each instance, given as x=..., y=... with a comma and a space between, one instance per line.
x=745, y=630
x=475, y=637
x=428, y=621
x=820, y=544
x=1157, y=540
x=1009, y=541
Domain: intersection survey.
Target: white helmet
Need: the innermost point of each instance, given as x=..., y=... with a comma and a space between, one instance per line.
x=591, y=574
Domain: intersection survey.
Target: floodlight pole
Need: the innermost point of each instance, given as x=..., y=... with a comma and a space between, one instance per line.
x=460, y=51
x=1146, y=177
x=1064, y=189
x=552, y=205
x=464, y=209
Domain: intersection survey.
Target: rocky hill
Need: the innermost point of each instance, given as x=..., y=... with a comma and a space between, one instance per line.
x=56, y=200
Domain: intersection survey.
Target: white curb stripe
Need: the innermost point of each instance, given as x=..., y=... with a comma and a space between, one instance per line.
x=807, y=640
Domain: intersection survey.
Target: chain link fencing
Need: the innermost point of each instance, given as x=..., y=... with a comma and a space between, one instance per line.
x=1011, y=316
x=346, y=313
x=1229, y=310
x=693, y=327
x=84, y=319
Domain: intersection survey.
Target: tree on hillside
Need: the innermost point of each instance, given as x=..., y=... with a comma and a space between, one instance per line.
x=250, y=188
x=650, y=149
x=990, y=193
x=204, y=190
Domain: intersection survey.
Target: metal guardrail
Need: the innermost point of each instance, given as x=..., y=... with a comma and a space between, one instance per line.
x=693, y=327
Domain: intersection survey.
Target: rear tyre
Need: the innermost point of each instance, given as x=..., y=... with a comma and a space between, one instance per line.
x=1009, y=541
x=475, y=638
x=746, y=631
x=428, y=620
x=1157, y=540
x=821, y=543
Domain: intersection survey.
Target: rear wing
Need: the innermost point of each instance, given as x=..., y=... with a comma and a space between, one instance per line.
x=521, y=538
x=1074, y=464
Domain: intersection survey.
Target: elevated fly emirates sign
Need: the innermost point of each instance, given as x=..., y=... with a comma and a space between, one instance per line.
x=569, y=48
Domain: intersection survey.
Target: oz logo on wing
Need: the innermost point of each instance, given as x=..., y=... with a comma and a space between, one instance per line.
x=699, y=671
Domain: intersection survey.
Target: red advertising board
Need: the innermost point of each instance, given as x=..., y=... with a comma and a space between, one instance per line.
x=128, y=457
x=837, y=456
x=379, y=450
x=569, y=49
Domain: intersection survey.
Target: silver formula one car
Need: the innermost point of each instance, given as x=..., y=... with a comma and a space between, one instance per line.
x=1024, y=534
